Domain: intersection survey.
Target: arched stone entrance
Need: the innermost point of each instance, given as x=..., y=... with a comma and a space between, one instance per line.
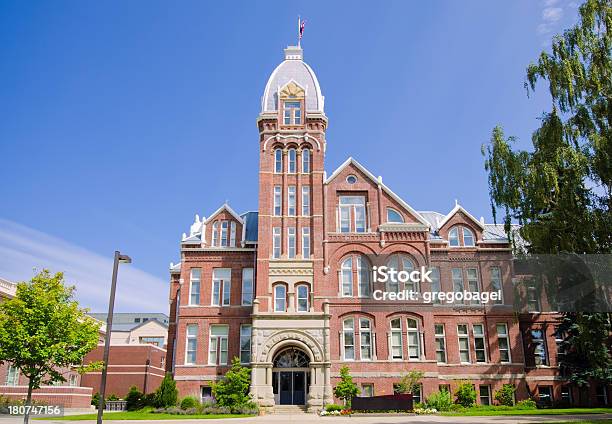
x=290, y=377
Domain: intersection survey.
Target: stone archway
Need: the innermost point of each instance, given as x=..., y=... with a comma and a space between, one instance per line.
x=265, y=386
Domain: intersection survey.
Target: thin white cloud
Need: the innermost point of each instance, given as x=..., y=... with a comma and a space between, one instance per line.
x=551, y=15
x=24, y=250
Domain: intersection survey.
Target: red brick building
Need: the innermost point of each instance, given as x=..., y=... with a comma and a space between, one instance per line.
x=289, y=289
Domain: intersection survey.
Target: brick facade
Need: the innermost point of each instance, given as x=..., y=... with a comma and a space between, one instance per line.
x=344, y=241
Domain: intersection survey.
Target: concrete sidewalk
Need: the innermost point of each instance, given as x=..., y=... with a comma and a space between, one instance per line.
x=374, y=419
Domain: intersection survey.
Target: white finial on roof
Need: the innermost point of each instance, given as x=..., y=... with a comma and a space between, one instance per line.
x=380, y=179
x=171, y=264
x=456, y=202
x=184, y=236
x=482, y=220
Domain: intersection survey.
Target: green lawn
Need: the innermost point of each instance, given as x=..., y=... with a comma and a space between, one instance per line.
x=564, y=411
x=143, y=415
x=594, y=421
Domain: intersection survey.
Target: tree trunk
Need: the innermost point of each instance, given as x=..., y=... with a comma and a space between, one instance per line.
x=26, y=416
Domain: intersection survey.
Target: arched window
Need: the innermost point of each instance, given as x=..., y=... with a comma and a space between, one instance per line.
x=215, y=233
x=291, y=358
x=280, y=298
x=404, y=266
x=365, y=339
x=346, y=277
x=302, y=298
x=355, y=267
x=278, y=161
x=468, y=237
x=306, y=161
x=413, y=337
x=394, y=216
x=348, y=339
x=291, y=161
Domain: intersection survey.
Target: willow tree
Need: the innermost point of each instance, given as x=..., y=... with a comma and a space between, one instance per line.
x=560, y=191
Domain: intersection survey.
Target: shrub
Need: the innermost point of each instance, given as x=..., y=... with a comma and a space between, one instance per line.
x=505, y=395
x=466, y=394
x=166, y=394
x=133, y=399
x=95, y=399
x=233, y=390
x=346, y=389
x=526, y=404
x=441, y=401
x=112, y=397
x=148, y=399
x=333, y=407
x=249, y=408
x=189, y=402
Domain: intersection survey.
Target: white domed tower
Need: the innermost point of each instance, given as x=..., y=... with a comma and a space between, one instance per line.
x=288, y=320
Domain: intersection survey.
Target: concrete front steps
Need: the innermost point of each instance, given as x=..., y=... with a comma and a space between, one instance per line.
x=290, y=409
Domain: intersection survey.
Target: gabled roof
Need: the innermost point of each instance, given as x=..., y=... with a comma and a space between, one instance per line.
x=351, y=161
x=459, y=208
x=226, y=207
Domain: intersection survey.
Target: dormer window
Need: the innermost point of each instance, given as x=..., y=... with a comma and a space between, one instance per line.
x=467, y=239
x=292, y=113
x=221, y=237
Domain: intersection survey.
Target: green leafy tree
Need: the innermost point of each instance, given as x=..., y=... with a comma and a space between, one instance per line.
x=466, y=394
x=560, y=192
x=43, y=330
x=346, y=389
x=441, y=400
x=410, y=382
x=233, y=390
x=166, y=394
x=505, y=395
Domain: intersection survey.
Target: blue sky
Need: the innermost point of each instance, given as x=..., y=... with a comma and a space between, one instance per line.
x=121, y=120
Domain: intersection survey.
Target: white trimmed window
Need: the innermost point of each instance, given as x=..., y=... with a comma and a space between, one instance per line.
x=401, y=263
x=440, y=343
x=224, y=225
x=468, y=237
x=367, y=390
x=346, y=277
x=365, y=339
x=232, y=234
x=215, y=234
x=217, y=346
x=278, y=161
x=348, y=330
x=192, y=344
x=485, y=394
x=278, y=200
x=245, y=343
x=436, y=286
x=194, y=286
x=291, y=242
x=396, y=339
x=539, y=352
x=394, y=216
x=464, y=343
x=503, y=342
x=496, y=283
x=479, y=343
x=302, y=298
x=352, y=214
x=457, y=275
x=306, y=161
x=291, y=161
x=306, y=242
x=280, y=298
x=472, y=279
x=276, y=242
x=306, y=200
x=221, y=287
x=363, y=277
x=291, y=200
x=247, y=286
x=413, y=337
x=292, y=113
x=12, y=376
x=453, y=237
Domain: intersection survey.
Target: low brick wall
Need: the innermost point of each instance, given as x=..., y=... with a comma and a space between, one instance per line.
x=68, y=396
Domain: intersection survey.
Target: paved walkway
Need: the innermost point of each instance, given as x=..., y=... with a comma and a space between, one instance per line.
x=376, y=419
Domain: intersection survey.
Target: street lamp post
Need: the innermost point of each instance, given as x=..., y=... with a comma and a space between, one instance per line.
x=119, y=258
